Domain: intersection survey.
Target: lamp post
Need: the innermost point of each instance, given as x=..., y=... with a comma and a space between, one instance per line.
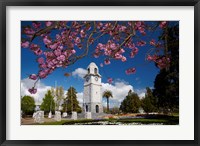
x=71, y=99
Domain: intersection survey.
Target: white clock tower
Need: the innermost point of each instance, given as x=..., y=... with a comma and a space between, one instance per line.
x=92, y=99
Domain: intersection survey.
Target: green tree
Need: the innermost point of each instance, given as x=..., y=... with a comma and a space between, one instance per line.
x=115, y=110
x=27, y=105
x=71, y=101
x=107, y=94
x=131, y=103
x=148, y=103
x=64, y=105
x=166, y=84
x=48, y=102
x=59, y=94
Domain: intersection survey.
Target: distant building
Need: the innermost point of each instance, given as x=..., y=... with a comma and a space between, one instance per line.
x=92, y=98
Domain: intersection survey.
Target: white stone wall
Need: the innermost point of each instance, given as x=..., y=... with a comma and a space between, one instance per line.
x=86, y=94
x=96, y=93
x=92, y=89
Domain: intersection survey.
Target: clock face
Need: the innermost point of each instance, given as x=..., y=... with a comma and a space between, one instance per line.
x=87, y=79
x=96, y=78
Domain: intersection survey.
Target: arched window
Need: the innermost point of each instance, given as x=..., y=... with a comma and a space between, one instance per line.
x=95, y=70
x=97, y=109
x=88, y=70
x=86, y=108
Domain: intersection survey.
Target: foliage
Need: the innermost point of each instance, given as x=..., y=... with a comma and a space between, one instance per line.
x=71, y=101
x=166, y=83
x=107, y=94
x=48, y=103
x=62, y=43
x=131, y=103
x=27, y=105
x=115, y=110
x=148, y=103
x=64, y=105
x=59, y=96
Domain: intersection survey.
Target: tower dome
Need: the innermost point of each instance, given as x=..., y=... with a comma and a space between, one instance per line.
x=93, y=69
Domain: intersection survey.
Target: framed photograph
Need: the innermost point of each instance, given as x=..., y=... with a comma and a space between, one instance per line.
x=99, y=72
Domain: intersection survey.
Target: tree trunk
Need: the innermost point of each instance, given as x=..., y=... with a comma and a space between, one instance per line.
x=107, y=105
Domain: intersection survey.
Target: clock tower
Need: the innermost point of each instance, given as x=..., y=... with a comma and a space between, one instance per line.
x=92, y=99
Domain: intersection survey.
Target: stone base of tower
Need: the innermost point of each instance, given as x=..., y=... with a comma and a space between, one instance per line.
x=93, y=108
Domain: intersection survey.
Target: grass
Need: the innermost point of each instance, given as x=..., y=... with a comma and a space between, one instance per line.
x=68, y=122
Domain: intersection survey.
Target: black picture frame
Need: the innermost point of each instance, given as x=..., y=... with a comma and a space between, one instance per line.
x=5, y=3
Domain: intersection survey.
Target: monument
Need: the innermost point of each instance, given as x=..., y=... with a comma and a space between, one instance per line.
x=57, y=116
x=92, y=98
x=38, y=117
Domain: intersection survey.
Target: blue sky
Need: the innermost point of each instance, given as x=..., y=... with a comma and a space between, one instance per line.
x=144, y=76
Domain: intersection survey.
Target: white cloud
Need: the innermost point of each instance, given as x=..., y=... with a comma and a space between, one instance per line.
x=41, y=89
x=80, y=97
x=79, y=72
x=141, y=92
x=119, y=90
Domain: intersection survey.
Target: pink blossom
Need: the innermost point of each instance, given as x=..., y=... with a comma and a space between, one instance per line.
x=118, y=56
x=32, y=90
x=134, y=52
x=153, y=42
x=29, y=31
x=101, y=64
x=141, y=29
x=122, y=28
x=77, y=40
x=43, y=65
x=124, y=59
x=110, y=80
x=107, y=61
x=61, y=58
x=107, y=52
x=113, y=46
x=82, y=33
x=163, y=24
x=73, y=51
x=130, y=71
x=38, y=52
x=99, y=25
x=59, y=64
x=58, y=36
x=34, y=47
x=152, y=58
x=43, y=73
x=164, y=62
x=36, y=25
x=121, y=51
x=57, y=52
x=50, y=64
x=25, y=44
x=100, y=46
x=149, y=58
x=138, y=23
x=49, y=54
x=46, y=40
x=141, y=43
x=33, y=76
x=96, y=54
x=55, y=61
x=40, y=60
x=91, y=40
x=48, y=23
x=130, y=45
x=54, y=46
